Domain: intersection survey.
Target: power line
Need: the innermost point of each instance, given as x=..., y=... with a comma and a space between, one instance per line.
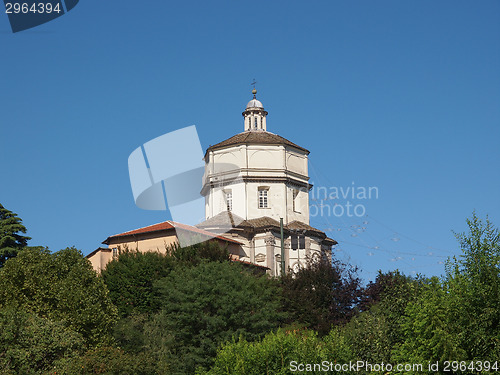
x=356, y=232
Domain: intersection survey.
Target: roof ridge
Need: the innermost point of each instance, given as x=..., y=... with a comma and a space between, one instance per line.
x=257, y=137
x=147, y=226
x=173, y=225
x=223, y=215
x=254, y=222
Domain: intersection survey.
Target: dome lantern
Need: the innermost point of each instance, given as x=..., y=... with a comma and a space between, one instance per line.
x=255, y=115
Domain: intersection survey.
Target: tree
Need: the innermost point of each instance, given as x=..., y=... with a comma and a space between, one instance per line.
x=430, y=334
x=206, y=305
x=204, y=251
x=130, y=280
x=131, y=276
x=368, y=335
x=31, y=344
x=61, y=286
x=11, y=239
x=280, y=353
x=106, y=360
x=473, y=281
x=387, y=284
x=458, y=317
x=378, y=328
x=321, y=295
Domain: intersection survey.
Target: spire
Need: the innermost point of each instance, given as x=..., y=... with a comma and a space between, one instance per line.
x=254, y=114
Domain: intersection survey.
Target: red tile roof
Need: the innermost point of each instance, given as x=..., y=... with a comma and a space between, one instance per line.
x=167, y=225
x=150, y=228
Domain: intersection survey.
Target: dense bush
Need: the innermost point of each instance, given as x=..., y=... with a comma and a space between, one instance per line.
x=280, y=353
x=30, y=344
x=61, y=286
x=379, y=328
x=131, y=276
x=130, y=280
x=193, y=310
x=106, y=360
x=321, y=295
x=206, y=305
x=458, y=318
x=402, y=320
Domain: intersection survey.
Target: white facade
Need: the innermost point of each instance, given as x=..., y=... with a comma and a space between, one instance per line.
x=251, y=181
x=252, y=173
x=261, y=173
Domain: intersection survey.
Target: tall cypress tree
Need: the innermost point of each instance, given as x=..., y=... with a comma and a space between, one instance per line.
x=11, y=239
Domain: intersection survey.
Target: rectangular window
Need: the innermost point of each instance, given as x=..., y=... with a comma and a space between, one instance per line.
x=263, y=197
x=298, y=241
x=302, y=242
x=229, y=199
x=115, y=252
x=295, y=203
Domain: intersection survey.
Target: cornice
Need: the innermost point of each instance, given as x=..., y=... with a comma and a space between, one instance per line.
x=258, y=179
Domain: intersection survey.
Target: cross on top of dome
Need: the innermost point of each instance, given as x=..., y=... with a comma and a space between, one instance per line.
x=255, y=115
x=254, y=103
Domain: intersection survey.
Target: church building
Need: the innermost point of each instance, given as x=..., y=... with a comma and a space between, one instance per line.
x=251, y=181
x=272, y=183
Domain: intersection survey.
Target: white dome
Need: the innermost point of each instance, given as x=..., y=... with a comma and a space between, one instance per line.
x=254, y=103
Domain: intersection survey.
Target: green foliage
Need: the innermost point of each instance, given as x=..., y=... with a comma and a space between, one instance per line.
x=203, y=251
x=130, y=280
x=386, y=286
x=321, y=294
x=106, y=360
x=129, y=333
x=397, y=292
x=368, y=335
x=373, y=333
x=279, y=353
x=30, y=344
x=473, y=283
x=481, y=252
x=131, y=276
x=204, y=306
x=192, y=308
x=61, y=286
x=11, y=239
x=429, y=332
x=458, y=318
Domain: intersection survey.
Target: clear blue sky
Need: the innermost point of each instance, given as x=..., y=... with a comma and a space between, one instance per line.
x=401, y=95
